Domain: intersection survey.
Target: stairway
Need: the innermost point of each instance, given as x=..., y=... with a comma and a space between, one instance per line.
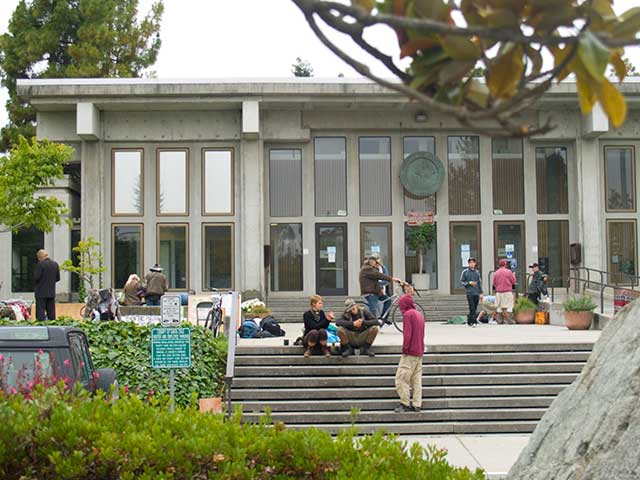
x=466, y=388
x=438, y=308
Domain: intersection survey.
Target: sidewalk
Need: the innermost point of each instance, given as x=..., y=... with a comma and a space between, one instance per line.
x=493, y=453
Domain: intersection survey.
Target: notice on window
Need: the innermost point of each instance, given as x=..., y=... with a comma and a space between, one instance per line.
x=509, y=249
x=375, y=249
x=465, y=254
x=331, y=254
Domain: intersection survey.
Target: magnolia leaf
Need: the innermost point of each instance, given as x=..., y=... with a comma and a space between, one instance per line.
x=612, y=102
x=629, y=24
x=454, y=71
x=505, y=72
x=368, y=5
x=477, y=93
x=535, y=57
x=618, y=65
x=559, y=55
x=586, y=92
x=432, y=9
x=411, y=47
x=460, y=48
x=593, y=54
x=500, y=18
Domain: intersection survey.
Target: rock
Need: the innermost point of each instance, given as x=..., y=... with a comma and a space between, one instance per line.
x=592, y=429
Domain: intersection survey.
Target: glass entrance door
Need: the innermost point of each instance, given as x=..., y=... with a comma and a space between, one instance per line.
x=465, y=243
x=508, y=241
x=331, y=259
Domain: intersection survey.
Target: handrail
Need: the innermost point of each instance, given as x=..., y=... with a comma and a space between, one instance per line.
x=602, y=284
x=231, y=349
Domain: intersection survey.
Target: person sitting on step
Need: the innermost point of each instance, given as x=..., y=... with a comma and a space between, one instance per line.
x=316, y=322
x=357, y=328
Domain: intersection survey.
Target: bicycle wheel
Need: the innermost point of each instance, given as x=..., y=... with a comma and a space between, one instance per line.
x=396, y=315
x=216, y=325
x=208, y=322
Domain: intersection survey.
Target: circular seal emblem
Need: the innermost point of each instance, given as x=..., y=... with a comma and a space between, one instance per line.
x=422, y=174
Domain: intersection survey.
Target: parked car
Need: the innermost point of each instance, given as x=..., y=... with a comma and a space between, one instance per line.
x=50, y=352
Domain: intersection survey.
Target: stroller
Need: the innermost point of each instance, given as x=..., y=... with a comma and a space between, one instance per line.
x=101, y=304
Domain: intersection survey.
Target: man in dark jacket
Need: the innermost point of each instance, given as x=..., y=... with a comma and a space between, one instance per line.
x=409, y=373
x=156, y=285
x=370, y=286
x=537, y=285
x=472, y=283
x=45, y=277
x=357, y=328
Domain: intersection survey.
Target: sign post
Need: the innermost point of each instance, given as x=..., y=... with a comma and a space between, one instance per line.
x=171, y=348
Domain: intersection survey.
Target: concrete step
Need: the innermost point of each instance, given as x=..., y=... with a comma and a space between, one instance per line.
x=413, y=428
x=387, y=392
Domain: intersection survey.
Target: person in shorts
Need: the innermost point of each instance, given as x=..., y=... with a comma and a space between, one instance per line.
x=503, y=283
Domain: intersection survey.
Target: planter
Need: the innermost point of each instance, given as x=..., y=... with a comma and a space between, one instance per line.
x=213, y=405
x=71, y=310
x=525, y=317
x=421, y=281
x=578, y=320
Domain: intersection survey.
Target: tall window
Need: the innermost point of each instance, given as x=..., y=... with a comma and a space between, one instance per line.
x=620, y=179
x=464, y=175
x=286, y=257
x=127, y=183
x=330, y=156
x=173, y=254
x=553, y=250
x=218, y=256
x=126, y=253
x=217, y=182
x=412, y=260
x=375, y=239
x=24, y=246
x=285, y=182
x=508, y=175
x=551, y=180
x=621, y=250
x=412, y=145
x=375, y=175
x=172, y=189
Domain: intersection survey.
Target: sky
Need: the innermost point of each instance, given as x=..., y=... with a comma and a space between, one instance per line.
x=247, y=38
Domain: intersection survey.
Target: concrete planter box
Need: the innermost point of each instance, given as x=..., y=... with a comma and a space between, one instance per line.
x=70, y=310
x=578, y=320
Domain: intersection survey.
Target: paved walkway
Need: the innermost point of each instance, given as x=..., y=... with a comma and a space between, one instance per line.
x=493, y=453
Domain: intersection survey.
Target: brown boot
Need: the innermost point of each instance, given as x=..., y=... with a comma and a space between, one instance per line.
x=308, y=352
x=326, y=352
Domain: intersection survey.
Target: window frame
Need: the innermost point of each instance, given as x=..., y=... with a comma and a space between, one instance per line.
x=448, y=177
x=634, y=222
x=539, y=196
x=522, y=191
x=315, y=177
x=113, y=245
x=360, y=186
x=455, y=288
x=159, y=225
x=203, y=192
x=233, y=251
x=113, y=182
x=633, y=180
x=389, y=226
x=301, y=212
x=271, y=226
x=187, y=192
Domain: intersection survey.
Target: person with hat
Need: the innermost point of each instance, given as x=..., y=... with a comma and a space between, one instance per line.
x=537, y=285
x=471, y=280
x=357, y=328
x=156, y=285
x=503, y=282
x=385, y=289
x=369, y=286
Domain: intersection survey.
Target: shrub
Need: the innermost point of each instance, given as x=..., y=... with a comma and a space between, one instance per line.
x=126, y=347
x=60, y=435
x=579, y=304
x=523, y=305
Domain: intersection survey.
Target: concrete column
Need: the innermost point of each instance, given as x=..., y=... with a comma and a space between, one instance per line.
x=5, y=260
x=94, y=190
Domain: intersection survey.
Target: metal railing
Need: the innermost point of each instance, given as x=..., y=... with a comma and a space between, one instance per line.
x=599, y=280
x=231, y=349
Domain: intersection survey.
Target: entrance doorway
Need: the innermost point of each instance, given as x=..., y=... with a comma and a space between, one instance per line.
x=508, y=241
x=464, y=244
x=331, y=259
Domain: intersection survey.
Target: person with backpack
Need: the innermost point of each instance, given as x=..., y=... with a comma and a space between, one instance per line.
x=471, y=280
x=357, y=328
x=409, y=372
x=156, y=285
x=537, y=287
x=316, y=322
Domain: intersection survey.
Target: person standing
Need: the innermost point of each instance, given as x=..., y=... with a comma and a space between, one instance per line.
x=409, y=373
x=156, y=285
x=537, y=286
x=45, y=277
x=385, y=288
x=369, y=287
x=472, y=283
x=503, y=282
x=316, y=322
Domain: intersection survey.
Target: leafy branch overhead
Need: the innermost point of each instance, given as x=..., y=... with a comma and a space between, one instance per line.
x=446, y=41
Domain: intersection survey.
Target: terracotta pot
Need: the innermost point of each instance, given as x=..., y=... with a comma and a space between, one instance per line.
x=213, y=405
x=525, y=317
x=578, y=320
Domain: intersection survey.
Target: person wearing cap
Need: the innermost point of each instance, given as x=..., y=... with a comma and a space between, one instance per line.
x=156, y=285
x=385, y=290
x=357, y=328
x=537, y=285
x=471, y=280
x=503, y=282
x=369, y=286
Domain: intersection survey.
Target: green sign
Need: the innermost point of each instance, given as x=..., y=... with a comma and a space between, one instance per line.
x=422, y=174
x=171, y=348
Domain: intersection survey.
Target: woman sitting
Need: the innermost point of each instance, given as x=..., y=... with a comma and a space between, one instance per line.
x=315, y=328
x=133, y=291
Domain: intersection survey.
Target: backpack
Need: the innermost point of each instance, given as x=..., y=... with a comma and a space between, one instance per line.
x=249, y=329
x=269, y=324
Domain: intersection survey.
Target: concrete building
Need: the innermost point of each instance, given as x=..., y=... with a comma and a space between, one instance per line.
x=283, y=186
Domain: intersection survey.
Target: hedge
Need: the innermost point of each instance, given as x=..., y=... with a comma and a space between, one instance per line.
x=126, y=347
x=66, y=435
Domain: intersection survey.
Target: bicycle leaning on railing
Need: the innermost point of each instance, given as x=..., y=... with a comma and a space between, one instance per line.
x=393, y=315
x=213, y=320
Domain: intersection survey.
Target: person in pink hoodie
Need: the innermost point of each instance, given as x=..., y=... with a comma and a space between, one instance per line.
x=409, y=373
x=503, y=282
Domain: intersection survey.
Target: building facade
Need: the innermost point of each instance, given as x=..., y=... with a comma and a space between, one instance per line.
x=284, y=186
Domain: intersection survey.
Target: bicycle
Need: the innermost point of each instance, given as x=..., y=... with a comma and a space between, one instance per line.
x=213, y=320
x=393, y=311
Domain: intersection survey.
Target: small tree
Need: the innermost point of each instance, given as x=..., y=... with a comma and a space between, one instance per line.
x=302, y=68
x=90, y=263
x=420, y=239
x=29, y=167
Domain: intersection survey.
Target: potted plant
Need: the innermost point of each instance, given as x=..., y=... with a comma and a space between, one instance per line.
x=578, y=312
x=524, y=311
x=420, y=239
x=254, y=308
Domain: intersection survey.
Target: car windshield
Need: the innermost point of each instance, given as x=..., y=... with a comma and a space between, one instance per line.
x=19, y=368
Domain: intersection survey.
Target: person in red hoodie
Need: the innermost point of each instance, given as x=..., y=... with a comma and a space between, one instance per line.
x=503, y=282
x=409, y=373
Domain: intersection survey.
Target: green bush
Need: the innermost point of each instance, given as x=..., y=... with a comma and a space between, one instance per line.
x=579, y=304
x=126, y=347
x=523, y=305
x=66, y=436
